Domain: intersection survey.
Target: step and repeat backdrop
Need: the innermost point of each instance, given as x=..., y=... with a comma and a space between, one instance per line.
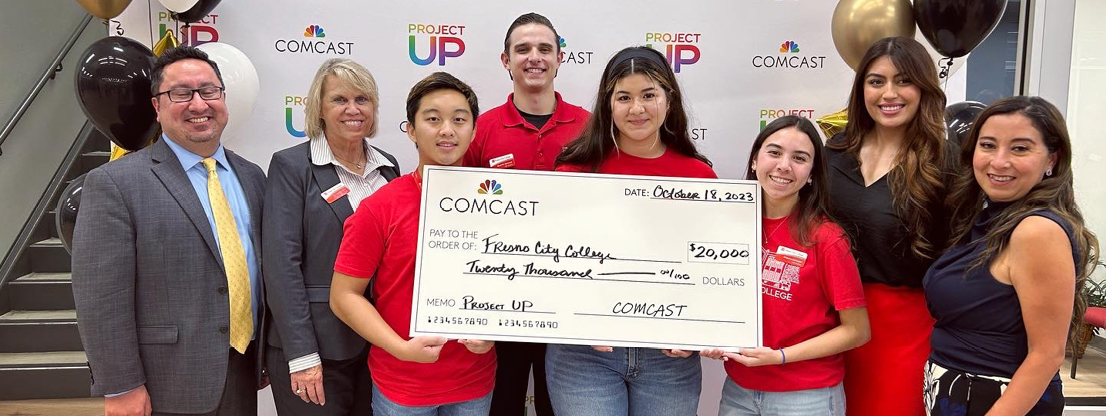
x=740, y=63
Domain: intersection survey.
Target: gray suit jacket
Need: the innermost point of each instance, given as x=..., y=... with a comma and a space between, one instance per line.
x=148, y=280
x=302, y=233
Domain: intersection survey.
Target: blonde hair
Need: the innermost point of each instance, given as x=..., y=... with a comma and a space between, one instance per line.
x=347, y=71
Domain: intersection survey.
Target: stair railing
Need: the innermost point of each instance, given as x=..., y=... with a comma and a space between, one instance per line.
x=47, y=75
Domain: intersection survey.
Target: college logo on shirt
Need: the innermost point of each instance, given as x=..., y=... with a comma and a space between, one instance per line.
x=777, y=276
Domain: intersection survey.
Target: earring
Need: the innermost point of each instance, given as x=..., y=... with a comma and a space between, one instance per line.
x=1048, y=172
x=809, y=181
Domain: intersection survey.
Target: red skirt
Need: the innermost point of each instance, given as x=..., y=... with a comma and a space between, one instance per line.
x=885, y=376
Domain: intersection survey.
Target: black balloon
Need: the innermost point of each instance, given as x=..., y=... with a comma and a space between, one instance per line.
x=66, y=215
x=113, y=90
x=955, y=27
x=198, y=11
x=960, y=118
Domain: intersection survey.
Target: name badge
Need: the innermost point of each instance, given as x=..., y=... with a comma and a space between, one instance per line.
x=335, y=192
x=791, y=256
x=505, y=161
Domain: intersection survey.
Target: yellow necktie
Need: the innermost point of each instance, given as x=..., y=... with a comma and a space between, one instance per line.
x=234, y=262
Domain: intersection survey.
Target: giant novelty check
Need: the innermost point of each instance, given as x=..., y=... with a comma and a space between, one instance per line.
x=572, y=258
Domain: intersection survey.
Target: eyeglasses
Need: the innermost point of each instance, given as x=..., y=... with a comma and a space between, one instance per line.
x=183, y=95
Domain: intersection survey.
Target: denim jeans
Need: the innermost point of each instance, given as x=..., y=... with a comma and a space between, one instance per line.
x=739, y=401
x=625, y=382
x=475, y=407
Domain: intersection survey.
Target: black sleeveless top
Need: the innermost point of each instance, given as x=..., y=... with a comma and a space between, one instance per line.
x=979, y=327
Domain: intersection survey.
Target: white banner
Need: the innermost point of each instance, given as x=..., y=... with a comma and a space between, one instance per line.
x=740, y=63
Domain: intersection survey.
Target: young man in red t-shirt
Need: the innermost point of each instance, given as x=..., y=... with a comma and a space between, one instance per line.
x=420, y=375
x=527, y=132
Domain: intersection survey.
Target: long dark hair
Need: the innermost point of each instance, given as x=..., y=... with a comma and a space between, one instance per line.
x=916, y=180
x=596, y=141
x=814, y=197
x=1054, y=193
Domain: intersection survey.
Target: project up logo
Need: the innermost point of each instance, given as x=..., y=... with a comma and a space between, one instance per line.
x=680, y=49
x=444, y=41
x=194, y=34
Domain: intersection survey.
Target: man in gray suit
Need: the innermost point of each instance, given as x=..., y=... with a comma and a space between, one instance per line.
x=165, y=260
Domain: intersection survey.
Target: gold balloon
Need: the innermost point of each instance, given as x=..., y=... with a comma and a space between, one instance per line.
x=833, y=123
x=117, y=152
x=169, y=41
x=104, y=9
x=857, y=24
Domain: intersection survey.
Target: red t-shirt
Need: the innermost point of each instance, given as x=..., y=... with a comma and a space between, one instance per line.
x=801, y=303
x=504, y=137
x=381, y=238
x=671, y=163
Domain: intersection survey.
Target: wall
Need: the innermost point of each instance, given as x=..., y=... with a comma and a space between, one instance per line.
x=728, y=88
x=1086, y=106
x=33, y=32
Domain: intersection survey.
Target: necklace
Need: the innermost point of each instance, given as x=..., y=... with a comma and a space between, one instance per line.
x=769, y=235
x=358, y=164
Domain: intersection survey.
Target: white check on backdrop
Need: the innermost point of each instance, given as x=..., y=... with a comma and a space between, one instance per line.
x=580, y=258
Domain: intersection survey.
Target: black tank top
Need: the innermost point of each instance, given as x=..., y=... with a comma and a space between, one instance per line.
x=979, y=327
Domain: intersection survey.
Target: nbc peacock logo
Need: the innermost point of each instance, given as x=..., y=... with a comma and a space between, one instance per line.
x=789, y=46
x=490, y=187
x=314, y=31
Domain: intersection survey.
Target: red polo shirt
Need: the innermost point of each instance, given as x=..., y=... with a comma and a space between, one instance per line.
x=502, y=135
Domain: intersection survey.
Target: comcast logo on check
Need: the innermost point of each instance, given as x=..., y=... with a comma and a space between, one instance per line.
x=490, y=187
x=314, y=31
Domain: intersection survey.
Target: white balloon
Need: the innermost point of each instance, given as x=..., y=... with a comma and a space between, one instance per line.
x=239, y=79
x=178, y=5
x=940, y=60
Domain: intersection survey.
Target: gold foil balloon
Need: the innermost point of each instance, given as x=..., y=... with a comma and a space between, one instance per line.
x=857, y=24
x=833, y=123
x=117, y=152
x=104, y=9
x=169, y=41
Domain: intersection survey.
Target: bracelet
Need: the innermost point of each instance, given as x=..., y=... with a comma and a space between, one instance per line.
x=783, y=357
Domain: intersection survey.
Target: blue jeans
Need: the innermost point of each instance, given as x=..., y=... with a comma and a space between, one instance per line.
x=739, y=401
x=625, y=382
x=382, y=406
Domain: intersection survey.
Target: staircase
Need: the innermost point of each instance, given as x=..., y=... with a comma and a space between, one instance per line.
x=40, y=350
